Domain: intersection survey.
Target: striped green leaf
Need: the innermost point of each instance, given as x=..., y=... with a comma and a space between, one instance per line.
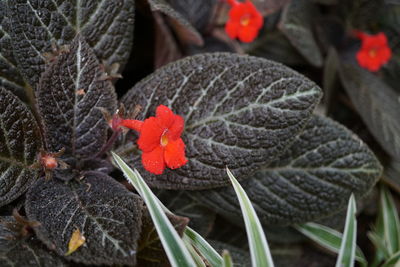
x=259, y=250
x=348, y=247
x=227, y=259
x=174, y=247
x=395, y=259
x=327, y=238
x=204, y=248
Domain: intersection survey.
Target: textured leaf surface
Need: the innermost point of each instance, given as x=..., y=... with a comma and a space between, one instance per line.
x=239, y=111
x=108, y=215
x=377, y=104
x=312, y=179
x=106, y=25
x=198, y=13
x=296, y=24
x=29, y=252
x=150, y=249
x=181, y=25
x=20, y=142
x=69, y=97
x=10, y=77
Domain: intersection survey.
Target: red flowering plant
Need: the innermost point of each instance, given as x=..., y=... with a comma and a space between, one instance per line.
x=160, y=140
x=200, y=113
x=244, y=22
x=374, y=51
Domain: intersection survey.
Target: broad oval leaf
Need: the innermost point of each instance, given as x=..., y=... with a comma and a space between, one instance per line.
x=106, y=213
x=27, y=252
x=106, y=25
x=70, y=95
x=10, y=77
x=181, y=25
x=239, y=111
x=198, y=13
x=377, y=104
x=313, y=179
x=20, y=143
x=296, y=24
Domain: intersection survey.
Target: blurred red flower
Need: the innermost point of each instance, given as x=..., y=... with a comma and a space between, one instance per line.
x=245, y=21
x=160, y=140
x=374, y=51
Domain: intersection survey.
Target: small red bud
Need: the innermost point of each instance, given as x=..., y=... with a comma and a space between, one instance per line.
x=49, y=162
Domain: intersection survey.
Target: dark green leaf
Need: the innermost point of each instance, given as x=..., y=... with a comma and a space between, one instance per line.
x=377, y=104
x=20, y=143
x=27, y=252
x=239, y=111
x=108, y=216
x=312, y=179
x=392, y=175
x=198, y=13
x=70, y=94
x=269, y=6
x=10, y=77
x=182, y=27
x=296, y=24
x=275, y=46
x=106, y=25
x=240, y=257
x=150, y=249
x=180, y=203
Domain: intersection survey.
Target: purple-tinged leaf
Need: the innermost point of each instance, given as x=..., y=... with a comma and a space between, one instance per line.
x=20, y=143
x=106, y=213
x=70, y=95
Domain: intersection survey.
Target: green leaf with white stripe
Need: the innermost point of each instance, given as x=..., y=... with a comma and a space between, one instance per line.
x=227, y=259
x=390, y=219
x=327, y=238
x=20, y=143
x=348, y=246
x=259, y=250
x=240, y=111
x=174, y=247
x=205, y=249
x=393, y=260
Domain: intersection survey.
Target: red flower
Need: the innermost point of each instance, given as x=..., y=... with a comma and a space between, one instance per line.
x=374, y=51
x=160, y=140
x=244, y=21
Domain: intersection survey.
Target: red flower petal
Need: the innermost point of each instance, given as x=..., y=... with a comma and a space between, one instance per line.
x=150, y=134
x=132, y=124
x=165, y=116
x=232, y=29
x=153, y=161
x=174, y=154
x=176, y=129
x=247, y=34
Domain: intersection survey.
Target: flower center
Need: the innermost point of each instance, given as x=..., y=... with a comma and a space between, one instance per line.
x=372, y=52
x=164, y=138
x=245, y=20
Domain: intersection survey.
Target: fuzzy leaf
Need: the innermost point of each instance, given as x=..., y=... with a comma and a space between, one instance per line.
x=269, y=6
x=107, y=215
x=181, y=25
x=106, y=25
x=314, y=178
x=239, y=111
x=20, y=143
x=198, y=13
x=296, y=24
x=377, y=104
x=69, y=97
x=27, y=252
x=10, y=77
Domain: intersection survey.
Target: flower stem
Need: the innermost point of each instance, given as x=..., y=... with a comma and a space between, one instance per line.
x=109, y=143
